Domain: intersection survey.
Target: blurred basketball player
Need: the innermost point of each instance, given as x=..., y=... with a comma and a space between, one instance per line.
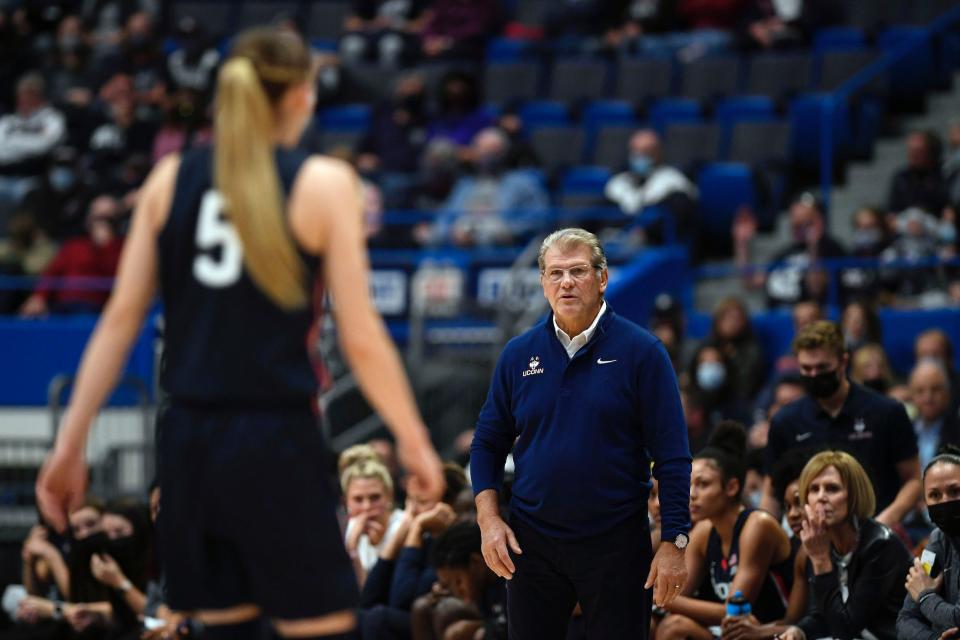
x=237, y=235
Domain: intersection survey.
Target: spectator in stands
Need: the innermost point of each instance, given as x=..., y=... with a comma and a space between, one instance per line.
x=95, y=255
x=58, y=203
x=869, y=366
x=860, y=324
x=781, y=25
x=712, y=381
x=797, y=277
x=384, y=31
x=27, y=137
x=521, y=153
x=459, y=29
x=921, y=183
x=24, y=251
x=732, y=547
x=870, y=237
x=368, y=492
x=396, y=136
x=639, y=20
x=649, y=182
x=185, y=124
x=495, y=205
x=48, y=574
x=849, y=554
x=803, y=314
x=951, y=165
x=469, y=598
x=571, y=21
x=124, y=564
x=404, y=571
x=787, y=388
x=918, y=240
x=192, y=65
x=119, y=132
x=460, y=117
x=732, y=334
x=935, y=344
x=668, y=323
x=936, y=425
x=843, y=414
x=930, y=608
x=70, y=85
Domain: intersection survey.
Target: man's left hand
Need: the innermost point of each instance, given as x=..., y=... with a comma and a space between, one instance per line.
x=668, y=573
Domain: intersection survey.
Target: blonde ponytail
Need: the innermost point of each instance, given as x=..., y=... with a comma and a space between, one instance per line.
x=246, y=176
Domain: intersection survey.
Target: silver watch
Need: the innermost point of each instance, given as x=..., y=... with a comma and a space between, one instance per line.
x=681, y=541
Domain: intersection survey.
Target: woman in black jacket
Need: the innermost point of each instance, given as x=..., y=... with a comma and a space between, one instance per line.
x=932, y=604
x=855, y=564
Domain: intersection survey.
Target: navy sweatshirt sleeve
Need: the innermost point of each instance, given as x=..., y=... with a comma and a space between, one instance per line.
x=665, y=432
x=376, y=588
x=494, y=434
x=408, y=577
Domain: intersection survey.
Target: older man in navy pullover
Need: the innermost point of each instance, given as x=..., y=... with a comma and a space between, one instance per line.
x=586, y=400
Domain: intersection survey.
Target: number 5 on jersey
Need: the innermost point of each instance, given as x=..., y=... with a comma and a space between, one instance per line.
x=214, y=232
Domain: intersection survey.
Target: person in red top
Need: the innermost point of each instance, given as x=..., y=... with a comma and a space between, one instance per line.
x=95, y=255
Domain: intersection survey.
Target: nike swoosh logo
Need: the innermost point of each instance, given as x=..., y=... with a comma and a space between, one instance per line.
x=602, y=361
x=803, y=436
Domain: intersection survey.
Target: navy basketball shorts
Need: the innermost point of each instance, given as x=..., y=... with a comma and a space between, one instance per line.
x=248, y=513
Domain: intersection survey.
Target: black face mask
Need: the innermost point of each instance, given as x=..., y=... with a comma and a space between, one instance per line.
x=946, y=516
x=822, y=385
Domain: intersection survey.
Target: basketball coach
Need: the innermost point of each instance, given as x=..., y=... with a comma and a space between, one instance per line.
x=585, y=400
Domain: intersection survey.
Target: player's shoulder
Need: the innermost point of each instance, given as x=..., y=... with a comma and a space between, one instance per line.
x=326, y=169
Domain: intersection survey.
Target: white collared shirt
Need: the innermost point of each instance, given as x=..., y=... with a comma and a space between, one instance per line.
x=572, y=345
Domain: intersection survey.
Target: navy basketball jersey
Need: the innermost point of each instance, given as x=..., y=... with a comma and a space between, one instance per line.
x=226, y=343
x=771, y=602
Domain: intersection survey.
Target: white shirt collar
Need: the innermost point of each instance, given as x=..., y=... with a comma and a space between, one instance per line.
x=572, y=345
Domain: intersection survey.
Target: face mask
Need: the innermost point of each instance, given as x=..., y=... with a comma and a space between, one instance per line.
x=68, y=44
x=640, y=164
x=822, y=385
x=866, y=239
x=489, y=165
x=62, y=178
x=711, y=376
x=946, y=516
x=753, y=499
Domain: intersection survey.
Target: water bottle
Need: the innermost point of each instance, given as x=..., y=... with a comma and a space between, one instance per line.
x=738, y=605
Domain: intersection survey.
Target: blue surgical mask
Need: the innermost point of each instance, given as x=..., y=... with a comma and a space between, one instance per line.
x=641, y=164
x=62, y=178
x=711, y=375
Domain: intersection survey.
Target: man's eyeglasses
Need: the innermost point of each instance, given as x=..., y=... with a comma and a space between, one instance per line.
x=577, y=273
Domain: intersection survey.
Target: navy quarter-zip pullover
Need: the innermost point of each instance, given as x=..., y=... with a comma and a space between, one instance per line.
x=584, y=430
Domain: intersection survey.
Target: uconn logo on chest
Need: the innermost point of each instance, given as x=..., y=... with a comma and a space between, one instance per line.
x=533, y=367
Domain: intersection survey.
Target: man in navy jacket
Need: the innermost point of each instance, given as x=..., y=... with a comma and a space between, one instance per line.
x=585, y=400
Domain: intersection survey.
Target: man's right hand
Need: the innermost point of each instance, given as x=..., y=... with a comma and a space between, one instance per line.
x=495, y=536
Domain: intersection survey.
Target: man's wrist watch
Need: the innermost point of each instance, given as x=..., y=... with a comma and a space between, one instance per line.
x=680, y=542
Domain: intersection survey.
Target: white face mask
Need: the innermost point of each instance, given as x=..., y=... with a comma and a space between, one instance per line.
x=711, y=375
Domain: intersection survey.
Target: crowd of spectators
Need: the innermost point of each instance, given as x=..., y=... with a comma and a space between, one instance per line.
x=92, y=94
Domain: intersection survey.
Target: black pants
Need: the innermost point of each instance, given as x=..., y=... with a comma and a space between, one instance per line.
x=604, y=573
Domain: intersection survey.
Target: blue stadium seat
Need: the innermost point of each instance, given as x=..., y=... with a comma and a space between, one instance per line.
x=745, y=109
x=508, y=50
x=602, y=113
x=838, y=39
x=544, y=113
x=724, y=188
x=351, y=117
x=673, y=111
x=585, y=180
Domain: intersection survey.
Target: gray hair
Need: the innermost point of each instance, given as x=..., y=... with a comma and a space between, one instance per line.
x=573, y=237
